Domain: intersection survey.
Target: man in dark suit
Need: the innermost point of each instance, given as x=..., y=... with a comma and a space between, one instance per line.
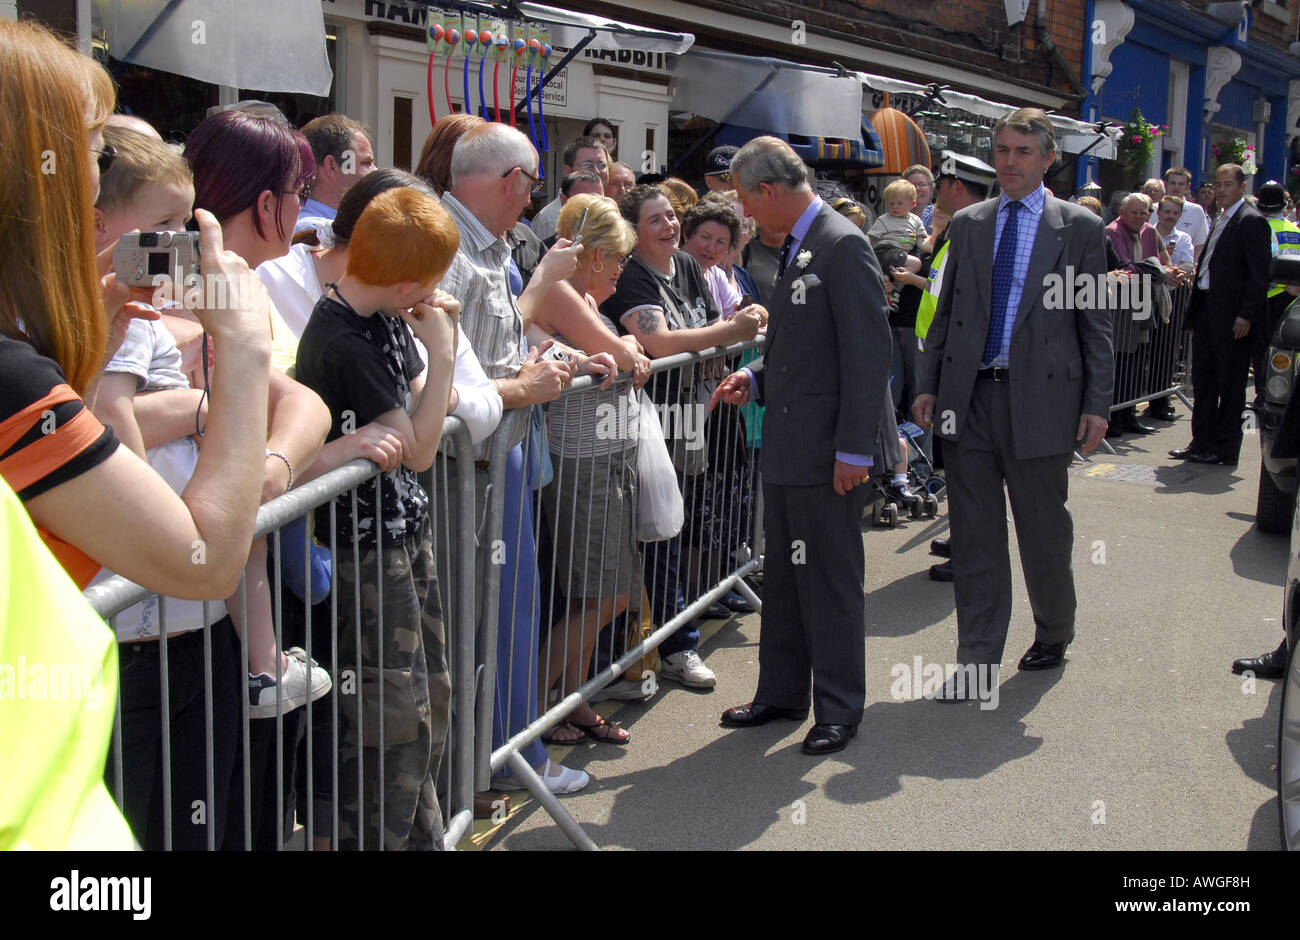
x=1015, y=374
x=823, y=377
x=1229, y=299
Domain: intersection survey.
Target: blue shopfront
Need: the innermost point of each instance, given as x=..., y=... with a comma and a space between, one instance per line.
x=1212, y=86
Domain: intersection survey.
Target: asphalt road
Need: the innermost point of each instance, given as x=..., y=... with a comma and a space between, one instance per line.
x=1143, y=741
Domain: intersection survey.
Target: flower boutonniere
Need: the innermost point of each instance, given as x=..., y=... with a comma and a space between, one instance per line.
x=801, y=260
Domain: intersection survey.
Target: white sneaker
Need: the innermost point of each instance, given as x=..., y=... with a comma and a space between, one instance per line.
x=298, y=684
x=687, y=668
x=624, y=690
x=565, y=781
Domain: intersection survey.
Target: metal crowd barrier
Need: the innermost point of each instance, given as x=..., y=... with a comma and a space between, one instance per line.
x=1152, y=357
x=292, y=763
x=579, y=521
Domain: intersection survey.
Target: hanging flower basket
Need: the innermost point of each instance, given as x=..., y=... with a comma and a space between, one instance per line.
x=1138, y=143
x=1232, y=150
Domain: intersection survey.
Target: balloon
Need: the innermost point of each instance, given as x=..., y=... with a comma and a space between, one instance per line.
x=452, y=36
x=520, y=46
x=485, y=37
x=436, y=31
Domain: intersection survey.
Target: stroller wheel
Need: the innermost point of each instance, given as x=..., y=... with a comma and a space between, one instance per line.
x=889, y=514
x=935, y=485
x=931, y=506
x=875, y=513
x=915, y=508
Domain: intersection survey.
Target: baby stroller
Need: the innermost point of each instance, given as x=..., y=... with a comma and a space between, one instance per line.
x=919, y=496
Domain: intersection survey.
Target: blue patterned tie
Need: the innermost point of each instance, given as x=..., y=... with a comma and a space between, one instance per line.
x=1004, y=265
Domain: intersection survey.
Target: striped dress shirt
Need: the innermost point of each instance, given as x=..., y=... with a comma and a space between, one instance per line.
x=1027, y=221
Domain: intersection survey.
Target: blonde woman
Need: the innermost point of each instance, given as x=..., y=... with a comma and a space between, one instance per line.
x=590, y=500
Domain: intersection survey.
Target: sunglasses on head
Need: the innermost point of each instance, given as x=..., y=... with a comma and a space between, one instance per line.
x=105, y=157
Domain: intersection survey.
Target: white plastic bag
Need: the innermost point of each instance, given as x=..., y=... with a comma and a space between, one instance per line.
x=660, y=511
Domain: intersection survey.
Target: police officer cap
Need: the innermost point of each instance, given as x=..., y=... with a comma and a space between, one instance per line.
x=971, y=169
x=1270, y=196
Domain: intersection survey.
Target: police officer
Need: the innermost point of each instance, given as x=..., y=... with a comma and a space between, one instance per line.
x=961, y=181
x=1270, y=199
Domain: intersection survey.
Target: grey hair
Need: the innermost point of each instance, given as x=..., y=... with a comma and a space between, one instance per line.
x=1029, y=121
x=768, y=160
x=1137, y=197
x=492, y=148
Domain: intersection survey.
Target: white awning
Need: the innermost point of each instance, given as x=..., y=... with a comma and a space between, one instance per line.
x=568, y=28
x=769, y=94
x=276, y=46
x=1072, y=135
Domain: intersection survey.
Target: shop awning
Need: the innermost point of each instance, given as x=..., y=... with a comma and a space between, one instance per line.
x=770, y=94
x=568, y=28
x=276, y=46
x=1072, y=135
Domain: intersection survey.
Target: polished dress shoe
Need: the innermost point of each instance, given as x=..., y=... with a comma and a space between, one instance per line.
x=1212, y=458
x=717, y=611
x=827, y=739
x=1185, y=453
x=1269, y=666
x=756, y=713
x=1114, y=430
x=941, y=547
x=1130, y=422
x=941, y=572
x=1161, y=411
x=1043, y=655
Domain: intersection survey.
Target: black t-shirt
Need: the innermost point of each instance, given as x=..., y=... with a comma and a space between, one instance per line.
x=362, y=367
x=27, y=377
x=684, y=298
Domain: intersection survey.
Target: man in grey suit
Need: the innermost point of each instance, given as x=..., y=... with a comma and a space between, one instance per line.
x=1016, y=375
x=823, y=378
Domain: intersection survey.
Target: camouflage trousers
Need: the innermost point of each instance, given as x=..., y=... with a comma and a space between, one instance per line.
x=402, y=676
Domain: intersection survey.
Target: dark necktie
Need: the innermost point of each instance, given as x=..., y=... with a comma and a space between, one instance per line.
x=1004, y=265
x=785, y=254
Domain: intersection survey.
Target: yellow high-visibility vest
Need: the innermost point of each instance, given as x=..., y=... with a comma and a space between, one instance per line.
x=58, y=695
x=1286, y=244
x=930, y=299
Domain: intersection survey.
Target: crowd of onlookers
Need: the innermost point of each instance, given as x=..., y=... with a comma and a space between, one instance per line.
x=381, y=303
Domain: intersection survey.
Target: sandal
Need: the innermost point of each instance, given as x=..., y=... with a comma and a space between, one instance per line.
x=602, y=731
x=553, y=736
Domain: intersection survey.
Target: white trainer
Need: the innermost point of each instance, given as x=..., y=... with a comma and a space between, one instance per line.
x=565, y=780
x=687, y=668
x=302, y=681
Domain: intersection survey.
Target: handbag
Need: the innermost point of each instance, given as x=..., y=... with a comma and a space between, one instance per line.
x=660, y=510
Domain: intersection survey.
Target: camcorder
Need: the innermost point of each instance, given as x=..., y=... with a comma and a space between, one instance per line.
x=140, y=257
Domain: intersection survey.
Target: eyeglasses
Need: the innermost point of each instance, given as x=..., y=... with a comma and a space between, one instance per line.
x=622, y=262
x=105, y=157
x=532, y=178
x=596, y=165
x=725, y=176
x=303, y=194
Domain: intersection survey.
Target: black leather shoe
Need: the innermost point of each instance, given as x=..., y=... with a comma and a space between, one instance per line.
x=717, y=611
x=1043, y=655
x=1161, y=412
x=1114, y=430
x=756, y=713
x=941, y=547
x=1184, y=453
x=941, y=572
x=1130, y=422
x=1211, y=458
x=827, y=739
x=1269, y=666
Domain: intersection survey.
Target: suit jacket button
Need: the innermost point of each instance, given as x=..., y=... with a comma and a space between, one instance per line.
x=784, y=369
x=1049, y=375
x=947, y=358
x=959, y=323
x=785, y=409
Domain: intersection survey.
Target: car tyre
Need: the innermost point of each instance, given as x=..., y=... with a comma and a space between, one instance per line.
x=1273, y=507
x=1288, y=756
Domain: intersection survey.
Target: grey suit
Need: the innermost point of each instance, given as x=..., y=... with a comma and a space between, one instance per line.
x=1022, y=431
x=824, y=379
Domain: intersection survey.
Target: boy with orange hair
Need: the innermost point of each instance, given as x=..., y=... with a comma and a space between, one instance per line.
x=358, y=354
